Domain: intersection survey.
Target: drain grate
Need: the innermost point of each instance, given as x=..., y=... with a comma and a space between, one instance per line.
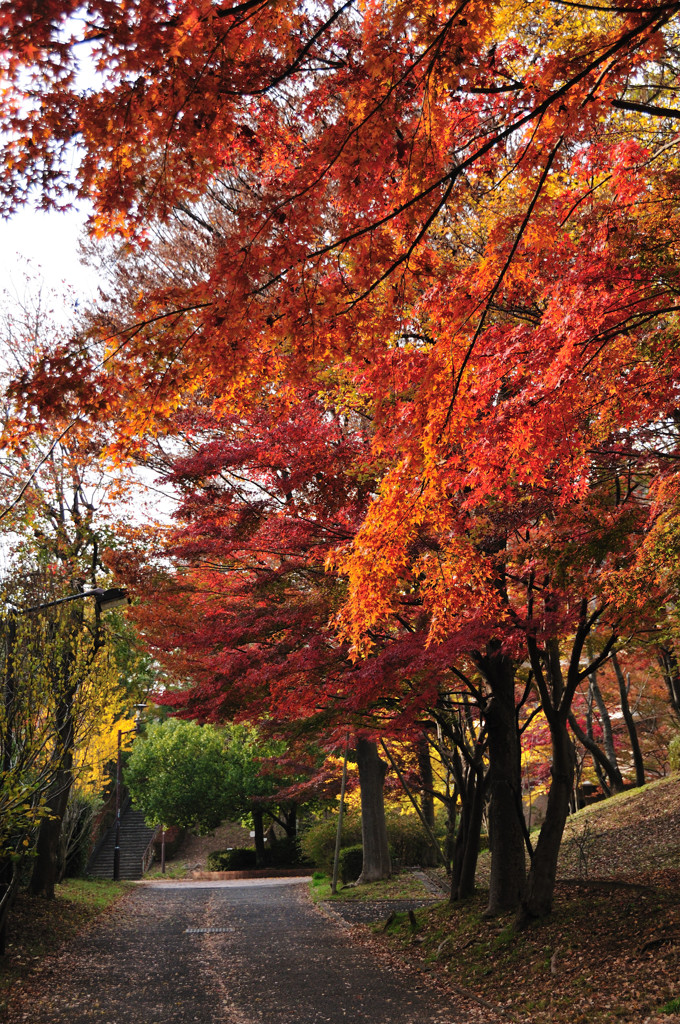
x=207, y=931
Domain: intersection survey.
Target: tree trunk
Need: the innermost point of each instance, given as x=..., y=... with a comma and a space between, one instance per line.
x=668, y=663
x=289, y=816
x=538, y=897
x=376, y=864
x=630, y=724
x=48, y=868
x=607, y=731
x=600, y=759
x=430, y=858
x=466, y=848
x=258, y=828
x=506, y=830
x=9, y=877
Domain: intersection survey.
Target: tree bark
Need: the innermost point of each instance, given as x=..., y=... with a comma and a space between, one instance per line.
x=376, y=863
x=630, y=723
x=430, y=859
x=668, y=663
x=615, y=779
x=466, y=847
x=538, y=896
x=258, y=828
x=506, y=831
x=289, y=815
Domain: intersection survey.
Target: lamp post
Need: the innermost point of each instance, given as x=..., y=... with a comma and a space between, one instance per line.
x=116, y=843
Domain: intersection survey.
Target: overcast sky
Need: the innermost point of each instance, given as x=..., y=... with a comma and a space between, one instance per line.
x=49, y=241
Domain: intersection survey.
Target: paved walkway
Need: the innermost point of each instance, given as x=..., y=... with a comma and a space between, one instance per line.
x=228, y=953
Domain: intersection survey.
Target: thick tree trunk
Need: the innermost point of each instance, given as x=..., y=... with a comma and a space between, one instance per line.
x=48, y=867
x=538, y=897
x=376, y=864
x=506, y=831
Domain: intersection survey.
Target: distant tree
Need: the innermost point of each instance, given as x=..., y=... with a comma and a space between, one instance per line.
x=180, y=774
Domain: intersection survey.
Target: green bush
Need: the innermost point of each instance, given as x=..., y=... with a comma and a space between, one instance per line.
x=409, y=842
x=350, y=863
x=317, y=842
x=674, y=753
x=76, y=833
x=408, y=839
x=239, y=859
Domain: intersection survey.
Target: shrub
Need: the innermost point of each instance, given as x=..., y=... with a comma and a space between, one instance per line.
x=317, y=842
x=674, y=753
x=285, y=852
x=76, y=833
x=350, y=863
x=239, y=859
x=409, y=842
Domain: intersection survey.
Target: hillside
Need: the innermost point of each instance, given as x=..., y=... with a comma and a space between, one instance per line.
x=610, y=953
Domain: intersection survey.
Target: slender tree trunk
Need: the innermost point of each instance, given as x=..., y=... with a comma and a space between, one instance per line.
x=290, y=821
x=450, y=841
x=600, y=759
x=670, y=669
x=607, y=731
x=506, y=832
x=430, y=858
x=538, y=897
x=9, y=875
x=376, y=864
x=630, y=723
x=466, y=849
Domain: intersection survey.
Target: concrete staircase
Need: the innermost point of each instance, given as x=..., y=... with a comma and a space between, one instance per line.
x=135, y=837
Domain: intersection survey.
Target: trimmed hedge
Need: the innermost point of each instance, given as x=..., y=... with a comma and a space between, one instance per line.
x=239, y=859
x=350, y=863
x=317, y=842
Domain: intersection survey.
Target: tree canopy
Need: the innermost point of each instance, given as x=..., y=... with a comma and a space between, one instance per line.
x=398, y=284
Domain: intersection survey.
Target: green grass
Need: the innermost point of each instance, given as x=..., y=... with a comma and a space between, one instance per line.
x=672, y=1006
x=171, y=871
x=401, y=886
x=94, y=893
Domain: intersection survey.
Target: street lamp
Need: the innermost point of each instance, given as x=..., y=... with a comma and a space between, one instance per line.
x=116, y=846
x=114, y=597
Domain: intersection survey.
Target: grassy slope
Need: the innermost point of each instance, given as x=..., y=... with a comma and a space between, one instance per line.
x=609, y=953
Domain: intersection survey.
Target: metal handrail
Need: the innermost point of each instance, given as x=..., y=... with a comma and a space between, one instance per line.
x=147, y=857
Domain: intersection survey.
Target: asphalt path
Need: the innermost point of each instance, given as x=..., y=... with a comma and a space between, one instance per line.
x=241, y=952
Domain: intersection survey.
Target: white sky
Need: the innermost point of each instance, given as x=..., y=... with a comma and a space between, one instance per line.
x=50, y=244
x=49, y=241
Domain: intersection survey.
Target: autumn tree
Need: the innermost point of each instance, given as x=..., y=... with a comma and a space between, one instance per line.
x=468, y=214
x=57, y=492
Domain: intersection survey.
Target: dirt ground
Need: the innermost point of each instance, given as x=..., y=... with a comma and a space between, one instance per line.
x=193, y=851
